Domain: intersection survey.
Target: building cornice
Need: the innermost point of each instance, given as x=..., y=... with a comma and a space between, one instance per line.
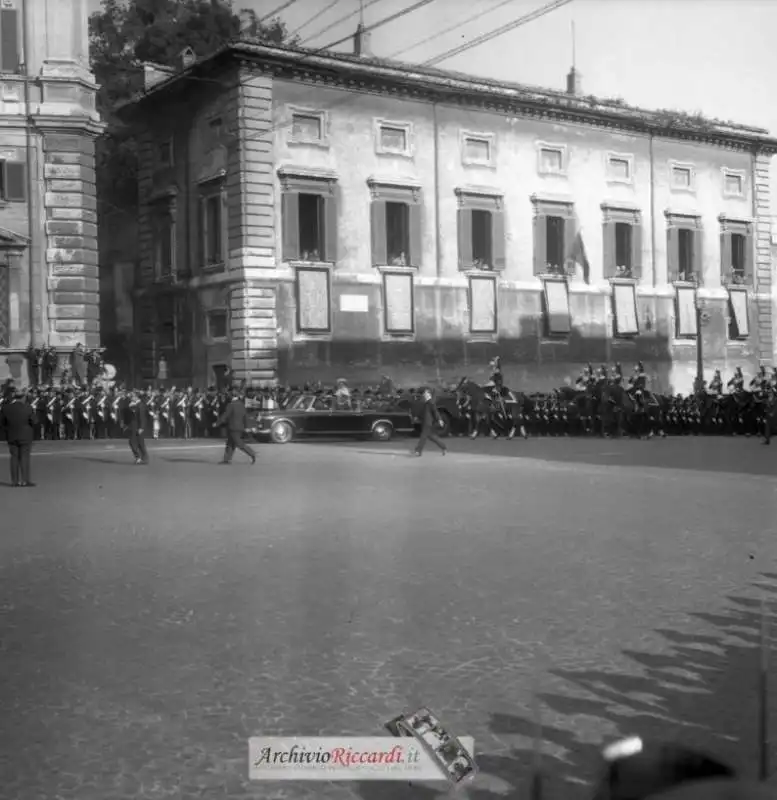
x=422, y=84
x=54, y=123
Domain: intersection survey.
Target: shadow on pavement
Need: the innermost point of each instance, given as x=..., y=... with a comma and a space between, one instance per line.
x=702, y=690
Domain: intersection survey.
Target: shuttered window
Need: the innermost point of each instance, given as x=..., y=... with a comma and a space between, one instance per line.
x=396, y=226
x=309, y=219
x=5, y=305
x=13, y=181
x=9, y=40
x=481, y=231
x=555, y=237
x=621, y=243
x=736, y=252
x=684, y=249
x=213, y=225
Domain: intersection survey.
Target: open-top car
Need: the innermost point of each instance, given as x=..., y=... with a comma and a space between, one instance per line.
x=326, y=415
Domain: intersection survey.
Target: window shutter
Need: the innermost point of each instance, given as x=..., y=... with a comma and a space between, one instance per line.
x=698, y=257
x=465, y=238
x=416, y=234
x=15, y=183
x=636, y=250
x=498, y=239
x=290, y=225
x=224, y=220
x=540, y=244
x=749, y=272
x=570, y=244
x=203, y=232
x=725, y=256
x=330, y=228
x=672, y=255
x=608, y=254
x=378, y=230
x=9, y=40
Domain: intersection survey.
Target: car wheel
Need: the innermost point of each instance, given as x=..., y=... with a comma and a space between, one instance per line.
x=447, y=424
x=382, y=432
x=281, y=433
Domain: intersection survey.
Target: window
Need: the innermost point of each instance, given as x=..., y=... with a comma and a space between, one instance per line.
x=482, y=305
x=165, y=153
x=213, y=224
x=554, y=237
x=313, y=300
x=394, y=138
x=624, y=300
x=213, y=132
x=163, y=226
x=167, y=322
x=9, y=40
x=396, y=226
x=218, y=325
x=481, y=231
x=733, y=183
x=682, y=177
x=736, y=251
x=557, y=316
x=398, y=303
x=622, y=242
x=619, y=168
x=5, y=304
x=552, y=159
x=683, y=252
x=685, y=312
x=13, y=181
x=739, y=321
x=308, y=217
x=477, y=149
x=308, y=127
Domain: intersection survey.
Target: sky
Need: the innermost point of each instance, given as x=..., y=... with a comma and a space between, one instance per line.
x=711, y=56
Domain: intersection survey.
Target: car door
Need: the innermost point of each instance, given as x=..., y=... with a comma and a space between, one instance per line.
x=318, y=417
x=348, y=418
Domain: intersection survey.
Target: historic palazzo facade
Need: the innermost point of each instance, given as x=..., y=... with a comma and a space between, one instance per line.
x=310, y=216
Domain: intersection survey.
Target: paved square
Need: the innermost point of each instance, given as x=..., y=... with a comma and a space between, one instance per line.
x=153, y=618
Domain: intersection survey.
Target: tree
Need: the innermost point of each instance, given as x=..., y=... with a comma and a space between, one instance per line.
x=126, y=33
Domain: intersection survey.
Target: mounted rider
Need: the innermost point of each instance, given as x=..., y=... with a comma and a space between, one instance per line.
x=760, y=381
x=638, y=383
x=586, y=379
x=773, y=379
x=602, y=375
x=737, y=383
x=496, y=380
x=616, y=377
x=716, y=384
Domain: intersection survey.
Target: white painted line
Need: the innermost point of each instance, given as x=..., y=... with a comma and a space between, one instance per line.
x=114, y=449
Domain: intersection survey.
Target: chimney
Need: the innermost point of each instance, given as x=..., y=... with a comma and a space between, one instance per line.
x=574, y=84
x=188, y=57
x=361, y=41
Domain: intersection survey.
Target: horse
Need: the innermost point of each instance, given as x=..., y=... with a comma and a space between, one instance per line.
x=766, y=409
x=641, y=418
x=478, y=406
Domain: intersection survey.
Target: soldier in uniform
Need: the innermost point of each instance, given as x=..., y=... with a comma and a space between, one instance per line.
x=136, y=420
x=586, y=378
x=602, y=375
x=638, y=384
x=716, y=384
x=616, y=379
x=496, y=380
x=757, y=383
x=737, y=383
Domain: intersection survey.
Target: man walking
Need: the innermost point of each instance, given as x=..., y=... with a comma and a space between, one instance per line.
x=137, y=421
x=430, y=420
x=234, y=419
x=17, y=419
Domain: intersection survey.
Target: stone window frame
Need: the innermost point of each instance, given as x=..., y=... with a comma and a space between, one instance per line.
x=306, y=180
x=471, y=198
x=397, y=190
x=13, y=174
x=745, y=227
x=680, y=337
x=209, y=328
x=482, y=334
x=390, y=334
x=478, y=136
x=314, y=334
x=726, y=172
x=164, y=207
x=304, y=111
x=674, y=166
x=379, y=123
x=685, y=220
x=616, y=332
x=614, y=212
x=558, y=147
x=207, y=189
x=734, y=334
x=545, y=206
x=628, y=158
x=547, y=333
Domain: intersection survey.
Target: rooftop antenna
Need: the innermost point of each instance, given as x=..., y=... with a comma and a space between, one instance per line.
x=361, y=12
x=573, y=45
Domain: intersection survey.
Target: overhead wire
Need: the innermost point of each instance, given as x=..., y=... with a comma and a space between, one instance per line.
x=316, y=16
x=338, y=21
x=277, y=11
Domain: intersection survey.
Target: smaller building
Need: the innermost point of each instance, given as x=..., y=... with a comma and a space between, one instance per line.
x=307, y=215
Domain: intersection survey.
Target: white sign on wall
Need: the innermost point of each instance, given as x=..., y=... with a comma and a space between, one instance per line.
x=354, y=302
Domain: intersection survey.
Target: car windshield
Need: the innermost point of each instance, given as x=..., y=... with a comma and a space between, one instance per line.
x=300, y=402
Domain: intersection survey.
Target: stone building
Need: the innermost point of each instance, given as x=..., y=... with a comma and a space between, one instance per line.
x=309, y=215
x=48, y=232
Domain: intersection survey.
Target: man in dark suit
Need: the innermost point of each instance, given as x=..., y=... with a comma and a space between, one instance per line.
x=136, y=420
x=18, y=421
x=234, y=420
x=430, y=422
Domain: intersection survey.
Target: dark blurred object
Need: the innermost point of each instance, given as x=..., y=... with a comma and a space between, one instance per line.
x=720, y=789
x=636, y=770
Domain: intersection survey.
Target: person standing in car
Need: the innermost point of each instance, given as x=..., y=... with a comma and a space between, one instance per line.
x=430, y=422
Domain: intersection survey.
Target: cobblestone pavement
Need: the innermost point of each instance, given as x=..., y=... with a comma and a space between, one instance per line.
x=152, y=619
